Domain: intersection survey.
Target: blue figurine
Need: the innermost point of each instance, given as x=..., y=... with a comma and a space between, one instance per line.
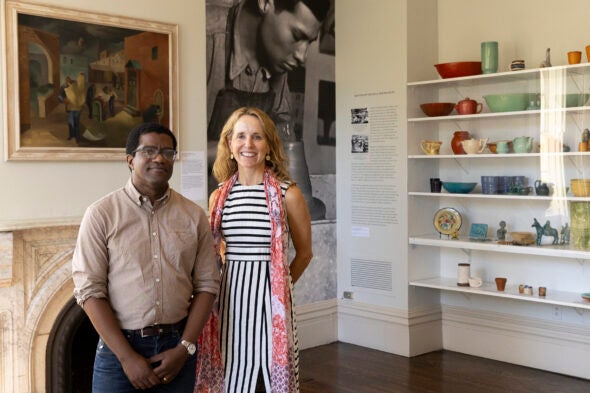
x=545, y=230
x=565, y=234
x=501, y=232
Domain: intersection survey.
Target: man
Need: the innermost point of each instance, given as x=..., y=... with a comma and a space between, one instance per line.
x=250, y=49
x=144, y=271
x=61, y=97
x=75, y=101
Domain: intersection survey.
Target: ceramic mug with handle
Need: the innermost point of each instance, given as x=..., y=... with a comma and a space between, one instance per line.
x=474, y=146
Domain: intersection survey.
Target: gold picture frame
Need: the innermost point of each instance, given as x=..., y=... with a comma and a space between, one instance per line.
x=77, y=81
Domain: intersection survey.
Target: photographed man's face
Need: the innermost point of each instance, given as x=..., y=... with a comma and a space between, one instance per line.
x=284, y=37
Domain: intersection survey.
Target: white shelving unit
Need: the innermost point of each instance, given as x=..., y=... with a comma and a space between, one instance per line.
x=429, y=252
x=558, y=298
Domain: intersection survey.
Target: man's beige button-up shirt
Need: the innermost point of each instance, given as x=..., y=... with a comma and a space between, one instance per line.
x=147, y=260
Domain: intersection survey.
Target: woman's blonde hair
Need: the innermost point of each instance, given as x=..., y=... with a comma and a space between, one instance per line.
x=224, y=166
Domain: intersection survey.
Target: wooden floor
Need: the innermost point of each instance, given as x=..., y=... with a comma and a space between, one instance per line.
x=346, y=368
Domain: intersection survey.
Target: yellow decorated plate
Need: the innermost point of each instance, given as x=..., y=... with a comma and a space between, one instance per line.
x=447, y=221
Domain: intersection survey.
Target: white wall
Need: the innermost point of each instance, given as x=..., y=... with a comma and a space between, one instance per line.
x=41, y=190
x=370, y=72
x=523, y=29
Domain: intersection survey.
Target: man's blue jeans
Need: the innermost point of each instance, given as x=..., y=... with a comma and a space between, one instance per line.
x=109, y=376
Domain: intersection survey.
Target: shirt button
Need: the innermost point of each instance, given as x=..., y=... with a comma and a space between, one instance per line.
x=157, y=280
x=153, y=233
x=156, y=256
x=153, y=212
x=158, y=303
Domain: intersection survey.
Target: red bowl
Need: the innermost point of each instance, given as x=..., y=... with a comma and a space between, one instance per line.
x=459, y=68
x=437, y=108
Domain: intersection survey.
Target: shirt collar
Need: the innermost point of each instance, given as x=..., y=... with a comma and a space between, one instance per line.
x=140, y=199
x=238, y=62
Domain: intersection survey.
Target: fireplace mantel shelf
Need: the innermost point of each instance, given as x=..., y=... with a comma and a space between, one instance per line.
x=15, y=225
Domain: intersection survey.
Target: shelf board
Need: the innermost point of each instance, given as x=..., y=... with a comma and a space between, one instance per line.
x=531, y=197
x=497, y=114
x=471, y=117
x=559, y=298
x=560, y=251
x=527, y=74
x=494, y=155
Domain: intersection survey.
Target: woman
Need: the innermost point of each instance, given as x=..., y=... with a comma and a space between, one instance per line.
x=253, y=211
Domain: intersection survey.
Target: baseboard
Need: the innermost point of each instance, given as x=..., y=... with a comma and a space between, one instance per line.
x=390, y=330
x=317, y=323
x=537, y=343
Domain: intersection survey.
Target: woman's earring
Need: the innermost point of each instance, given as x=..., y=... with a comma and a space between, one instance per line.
x=267, y=157
x=231, y=157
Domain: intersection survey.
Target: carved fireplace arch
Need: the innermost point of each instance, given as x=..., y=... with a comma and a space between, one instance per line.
x=70, y=351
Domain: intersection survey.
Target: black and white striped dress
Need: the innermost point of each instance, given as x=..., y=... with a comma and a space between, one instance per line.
x=245, y=304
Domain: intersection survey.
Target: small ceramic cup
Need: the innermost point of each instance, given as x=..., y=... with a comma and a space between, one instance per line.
x=435, y=184
x=516, y=65
x=430, y=147
x=475, y=282
x=574, y=57
x=502, y=147
x=542, y=291
x=501, y=283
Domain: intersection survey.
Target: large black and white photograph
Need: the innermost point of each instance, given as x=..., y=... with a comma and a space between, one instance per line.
x=257, y=53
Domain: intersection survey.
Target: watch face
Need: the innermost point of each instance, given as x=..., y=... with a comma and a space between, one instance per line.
x=190, y=347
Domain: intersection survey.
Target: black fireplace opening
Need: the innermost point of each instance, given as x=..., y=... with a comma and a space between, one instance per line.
x=70, y=352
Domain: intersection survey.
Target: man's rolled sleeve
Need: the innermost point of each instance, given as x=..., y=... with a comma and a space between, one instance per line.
x=89, y=262
x=206, y=274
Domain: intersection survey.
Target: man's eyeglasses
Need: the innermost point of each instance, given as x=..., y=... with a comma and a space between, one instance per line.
x=151, y=152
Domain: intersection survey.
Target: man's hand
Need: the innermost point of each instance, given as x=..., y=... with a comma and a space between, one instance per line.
x=139, y=371
x=170, y=363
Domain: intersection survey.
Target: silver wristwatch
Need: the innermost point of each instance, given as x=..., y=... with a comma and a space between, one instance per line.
x=190, y=347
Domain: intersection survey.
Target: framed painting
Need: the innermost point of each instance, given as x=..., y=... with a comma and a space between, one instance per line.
x=77, y=81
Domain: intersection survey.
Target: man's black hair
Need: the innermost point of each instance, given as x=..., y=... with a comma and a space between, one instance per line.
x=146, y=128
x=319, y=8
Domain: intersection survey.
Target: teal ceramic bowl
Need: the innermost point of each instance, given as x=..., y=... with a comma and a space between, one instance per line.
x=458, y=187
x=586, y=296
x=573, y=100
x=508, y=102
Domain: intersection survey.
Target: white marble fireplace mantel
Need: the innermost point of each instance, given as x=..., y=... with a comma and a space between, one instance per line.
x=35, y=284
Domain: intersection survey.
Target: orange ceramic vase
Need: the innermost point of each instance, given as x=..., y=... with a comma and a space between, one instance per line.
x=458, y=137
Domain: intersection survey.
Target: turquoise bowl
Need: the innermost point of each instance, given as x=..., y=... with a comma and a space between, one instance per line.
x=573, y=100
x=509, y=102
x=458, y=187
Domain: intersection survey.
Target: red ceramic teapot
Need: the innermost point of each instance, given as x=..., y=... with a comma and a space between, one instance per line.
x=468, y=106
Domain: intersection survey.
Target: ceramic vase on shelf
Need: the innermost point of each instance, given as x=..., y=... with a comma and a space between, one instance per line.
x=458, y=137
x=489, y=57
x=580, y=225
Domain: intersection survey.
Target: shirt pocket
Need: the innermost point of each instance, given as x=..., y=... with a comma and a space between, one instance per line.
x=183, y=249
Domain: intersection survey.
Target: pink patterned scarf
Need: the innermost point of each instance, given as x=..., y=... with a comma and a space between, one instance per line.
x=210, y=377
